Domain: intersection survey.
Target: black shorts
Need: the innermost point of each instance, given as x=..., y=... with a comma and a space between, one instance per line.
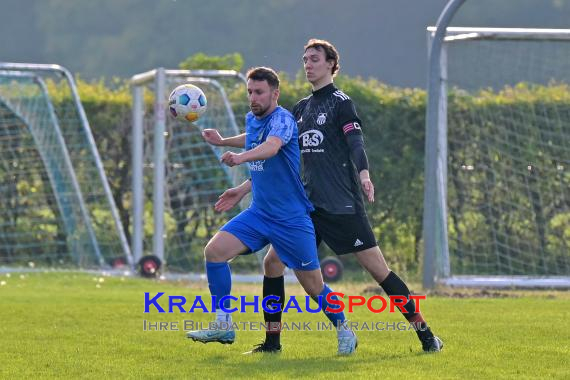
x=343, y=233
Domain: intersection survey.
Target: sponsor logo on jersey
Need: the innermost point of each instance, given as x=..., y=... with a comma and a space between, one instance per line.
x=358, y=243
x=311, y=138
x=322, y=118
x=255, y=166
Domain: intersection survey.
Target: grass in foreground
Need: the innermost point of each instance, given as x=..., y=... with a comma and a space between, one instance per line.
x=76, y=325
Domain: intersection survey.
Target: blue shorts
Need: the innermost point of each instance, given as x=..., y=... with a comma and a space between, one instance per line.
x=293, y=240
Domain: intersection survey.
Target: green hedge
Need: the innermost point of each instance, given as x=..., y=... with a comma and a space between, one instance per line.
x=393, y=124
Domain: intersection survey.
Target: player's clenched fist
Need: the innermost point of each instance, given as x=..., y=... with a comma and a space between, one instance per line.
x=231, y=159
x=212, y=136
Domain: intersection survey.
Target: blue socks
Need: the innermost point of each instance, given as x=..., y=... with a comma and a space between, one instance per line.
x=336, y=318
x=219, y=280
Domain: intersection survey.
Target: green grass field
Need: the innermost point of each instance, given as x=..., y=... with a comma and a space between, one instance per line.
x=77, y=325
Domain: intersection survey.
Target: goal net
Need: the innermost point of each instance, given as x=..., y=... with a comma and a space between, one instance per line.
x=54, y=208
x=177, y=177
x=508, y=157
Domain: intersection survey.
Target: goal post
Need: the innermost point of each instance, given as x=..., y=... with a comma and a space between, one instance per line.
x=177, y=176
x=497, y=186
x=57, y=207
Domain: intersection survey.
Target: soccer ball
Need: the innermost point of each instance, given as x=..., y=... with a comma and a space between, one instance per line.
x=187, y=102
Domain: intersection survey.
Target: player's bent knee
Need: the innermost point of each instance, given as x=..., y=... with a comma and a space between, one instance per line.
x=212, y=251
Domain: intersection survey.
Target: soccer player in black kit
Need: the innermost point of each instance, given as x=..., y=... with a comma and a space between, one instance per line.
x=335, y=174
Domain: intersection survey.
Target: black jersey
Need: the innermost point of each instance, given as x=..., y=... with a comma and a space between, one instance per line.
x=330, y=178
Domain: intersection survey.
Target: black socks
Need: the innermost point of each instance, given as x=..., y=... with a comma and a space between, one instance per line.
x=394, y=286
x=273, y=286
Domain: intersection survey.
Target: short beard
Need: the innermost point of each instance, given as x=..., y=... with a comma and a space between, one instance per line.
x=260, y=112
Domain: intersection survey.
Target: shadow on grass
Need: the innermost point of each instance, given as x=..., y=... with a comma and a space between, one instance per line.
x=280, y=365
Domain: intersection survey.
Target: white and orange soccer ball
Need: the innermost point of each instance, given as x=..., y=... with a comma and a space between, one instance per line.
x=187, y=102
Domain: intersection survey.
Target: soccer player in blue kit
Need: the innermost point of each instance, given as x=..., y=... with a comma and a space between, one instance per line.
x=335, y=175
x=279, y=213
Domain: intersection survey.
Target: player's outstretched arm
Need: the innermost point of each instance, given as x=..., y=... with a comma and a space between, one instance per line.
x=264, y=151
x=213, y=137
x=232, y=197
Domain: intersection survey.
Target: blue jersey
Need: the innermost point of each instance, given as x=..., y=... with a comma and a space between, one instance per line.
x=277, y=189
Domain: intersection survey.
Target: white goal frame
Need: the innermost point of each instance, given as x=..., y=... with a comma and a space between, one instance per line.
x=435, y=230
x=34, y=71
x=159, y=76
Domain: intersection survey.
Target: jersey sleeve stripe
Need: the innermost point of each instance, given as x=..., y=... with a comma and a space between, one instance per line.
x=341, y=95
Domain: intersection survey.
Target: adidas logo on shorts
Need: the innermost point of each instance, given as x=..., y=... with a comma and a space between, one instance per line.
x=358, y=243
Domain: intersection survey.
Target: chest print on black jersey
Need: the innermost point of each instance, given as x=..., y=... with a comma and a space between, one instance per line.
x=311, y=139
x=322, y=118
